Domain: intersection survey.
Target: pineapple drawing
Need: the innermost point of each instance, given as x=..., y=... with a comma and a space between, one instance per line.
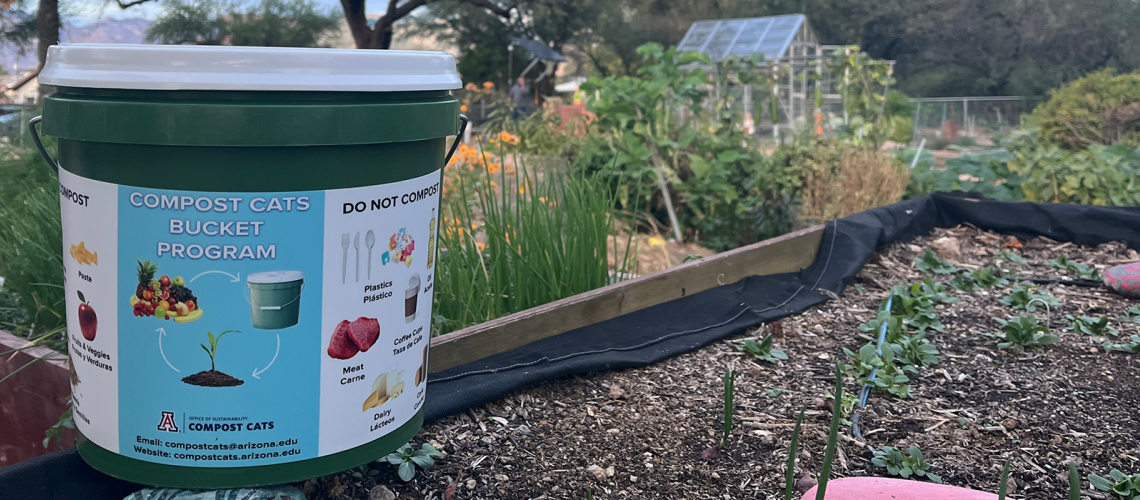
x=145, y=275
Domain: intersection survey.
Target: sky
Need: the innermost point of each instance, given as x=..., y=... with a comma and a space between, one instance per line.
x=86, y=11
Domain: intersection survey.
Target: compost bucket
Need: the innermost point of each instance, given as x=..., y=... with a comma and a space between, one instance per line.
x=275, y=298
x=195, y=179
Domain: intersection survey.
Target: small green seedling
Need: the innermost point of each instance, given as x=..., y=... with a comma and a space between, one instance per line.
x=904, y=466
x=1021, y=298
x=914, y=307
x=1074, y=482
x=1130, y=316
x=775, y=393
x=932, y=290
x=1011, y=256
x=847, y=406
x=832, y=438
x=1084, y=271
x=729, y=395
x=213, y=349
x=1132, y=346
x=406, y=459
x=982, y=277
x=790, y=474
x=894, y=326
x=1092, y=325
x=1124, y=486
x=1003, y=483
x=915, y=350
x=888, y=377
x=860, y=288
x=763, y=350
x=929, y=263
x=1022, y=333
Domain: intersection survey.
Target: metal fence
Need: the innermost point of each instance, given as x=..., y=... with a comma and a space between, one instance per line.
x=976, y=117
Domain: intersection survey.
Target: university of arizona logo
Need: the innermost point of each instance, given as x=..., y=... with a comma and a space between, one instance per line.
x=167, y=424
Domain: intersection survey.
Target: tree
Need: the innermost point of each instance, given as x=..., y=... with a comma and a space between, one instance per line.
x=47, y=28
x=272, y=23
x=379, y=36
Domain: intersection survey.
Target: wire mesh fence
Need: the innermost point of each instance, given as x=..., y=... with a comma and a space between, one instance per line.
x=977, y=118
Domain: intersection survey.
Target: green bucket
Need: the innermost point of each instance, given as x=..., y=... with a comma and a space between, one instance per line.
x=189, y=168
x=275, y=298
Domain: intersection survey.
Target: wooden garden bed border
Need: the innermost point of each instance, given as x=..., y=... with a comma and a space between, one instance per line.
x=788, y=253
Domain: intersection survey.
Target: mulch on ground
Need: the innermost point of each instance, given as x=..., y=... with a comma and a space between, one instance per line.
x=642, y=433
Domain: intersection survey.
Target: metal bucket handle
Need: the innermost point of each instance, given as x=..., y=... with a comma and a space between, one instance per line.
x=55, y=166
x=39, y=144
x=273, y=308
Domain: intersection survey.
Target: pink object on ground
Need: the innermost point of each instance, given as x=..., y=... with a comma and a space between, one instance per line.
x=1124, y=279
x=881, y=488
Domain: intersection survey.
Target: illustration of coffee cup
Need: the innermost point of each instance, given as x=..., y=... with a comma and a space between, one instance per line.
x=411, y=297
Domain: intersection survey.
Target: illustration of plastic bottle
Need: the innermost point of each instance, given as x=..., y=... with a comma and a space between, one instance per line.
x=431, y=240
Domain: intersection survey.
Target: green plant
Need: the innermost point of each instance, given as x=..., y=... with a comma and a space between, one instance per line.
x=982, y=277
x=213, y=349
x=763, y=350
x=904, y=466
x=1093, y=109
x=55, y=432
x=1011, y=256
x=729, y=396
x=847, y=406
x=874, y=117
x=894, y=326
x=790, y=474
x=525, y=242
x=929, y=263
x=1132, y=315
x=879, y=370
x=1099, y=175
x=775, y=393
x=1084, y=271
x=1074, y=482
x=1023, y=332
x=1124, y=486
x=832, y=437
x=915, y=350
x=914, y=305
x=1091, y=325
x=986, y=173
x=1003, y=483
x=1132, y=346
x=406, y=459
x=1021, y=298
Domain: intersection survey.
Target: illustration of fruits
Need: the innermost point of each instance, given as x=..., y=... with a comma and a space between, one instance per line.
x=163, y=298
x=386, y=387
x=88, y=322
x=84, y=256
x=350, y=338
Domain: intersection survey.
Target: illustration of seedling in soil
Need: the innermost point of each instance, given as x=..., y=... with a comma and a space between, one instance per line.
x=213, y=377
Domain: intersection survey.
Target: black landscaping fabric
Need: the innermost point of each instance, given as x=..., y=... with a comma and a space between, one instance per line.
x=680, y=326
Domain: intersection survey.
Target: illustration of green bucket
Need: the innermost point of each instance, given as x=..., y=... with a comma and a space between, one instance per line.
x=275, y=298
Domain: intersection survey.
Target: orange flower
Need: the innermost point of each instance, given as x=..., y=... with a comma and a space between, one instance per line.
x=480, y=245
x=463, y=108
x=471, y=86
x=494, y=167
x=488, y=85
x=522, y=189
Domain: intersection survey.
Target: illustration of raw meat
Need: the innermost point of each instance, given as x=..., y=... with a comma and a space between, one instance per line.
x=341, y=346
x=364, y=332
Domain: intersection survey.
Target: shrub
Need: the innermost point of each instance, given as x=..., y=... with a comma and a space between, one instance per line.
x=860, y=179
x=1099, y=175
x=986, y=173
x=1100, y=108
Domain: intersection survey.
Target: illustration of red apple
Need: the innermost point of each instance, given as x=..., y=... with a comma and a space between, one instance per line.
x=87, y=320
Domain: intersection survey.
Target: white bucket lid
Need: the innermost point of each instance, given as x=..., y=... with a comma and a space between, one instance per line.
x=273, y=277
x=196, y=67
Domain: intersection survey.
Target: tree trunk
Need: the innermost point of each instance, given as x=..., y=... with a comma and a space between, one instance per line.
x=47, y=28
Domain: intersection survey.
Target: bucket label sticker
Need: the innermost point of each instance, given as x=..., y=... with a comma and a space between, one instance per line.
x=223, y=329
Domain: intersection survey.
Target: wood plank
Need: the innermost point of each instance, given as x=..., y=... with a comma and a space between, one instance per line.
x=32, y=400
x=788, y=253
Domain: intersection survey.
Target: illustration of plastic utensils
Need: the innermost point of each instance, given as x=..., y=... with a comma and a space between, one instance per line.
x=370, y=239
x=344, y=260
x=356, y=244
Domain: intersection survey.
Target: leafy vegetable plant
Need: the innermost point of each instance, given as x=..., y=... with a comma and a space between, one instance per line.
x=1023, y=332
x=1130, y=316
x=1011, y=256
x=894, y=326
x=406, y=459
x=1021, y=298
x=1092, y=325
x=869, y=367
x=1132, y=346
x=213, y=349
x=846, y=406
x=1125, y=486
x=928, y=262
x=763, y=350
x=1084, y=271
x=983, y=277
x=915, y=350
x=904, y=466
x=915, y=306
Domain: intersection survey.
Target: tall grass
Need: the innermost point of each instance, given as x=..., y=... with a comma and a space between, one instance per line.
x=31, y=248
x=862, y=179
x=523, y=241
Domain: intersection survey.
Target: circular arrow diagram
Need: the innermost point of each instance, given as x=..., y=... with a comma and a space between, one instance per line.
x=234, y=280
x=161, y=334
x=256, y=372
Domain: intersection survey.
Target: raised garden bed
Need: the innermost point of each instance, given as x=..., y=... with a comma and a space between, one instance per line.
x=642, y=433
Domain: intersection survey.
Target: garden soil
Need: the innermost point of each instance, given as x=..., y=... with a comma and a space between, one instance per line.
x=644, y=432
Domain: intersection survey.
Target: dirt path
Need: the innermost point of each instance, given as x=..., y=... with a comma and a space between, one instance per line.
x=641, y=433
